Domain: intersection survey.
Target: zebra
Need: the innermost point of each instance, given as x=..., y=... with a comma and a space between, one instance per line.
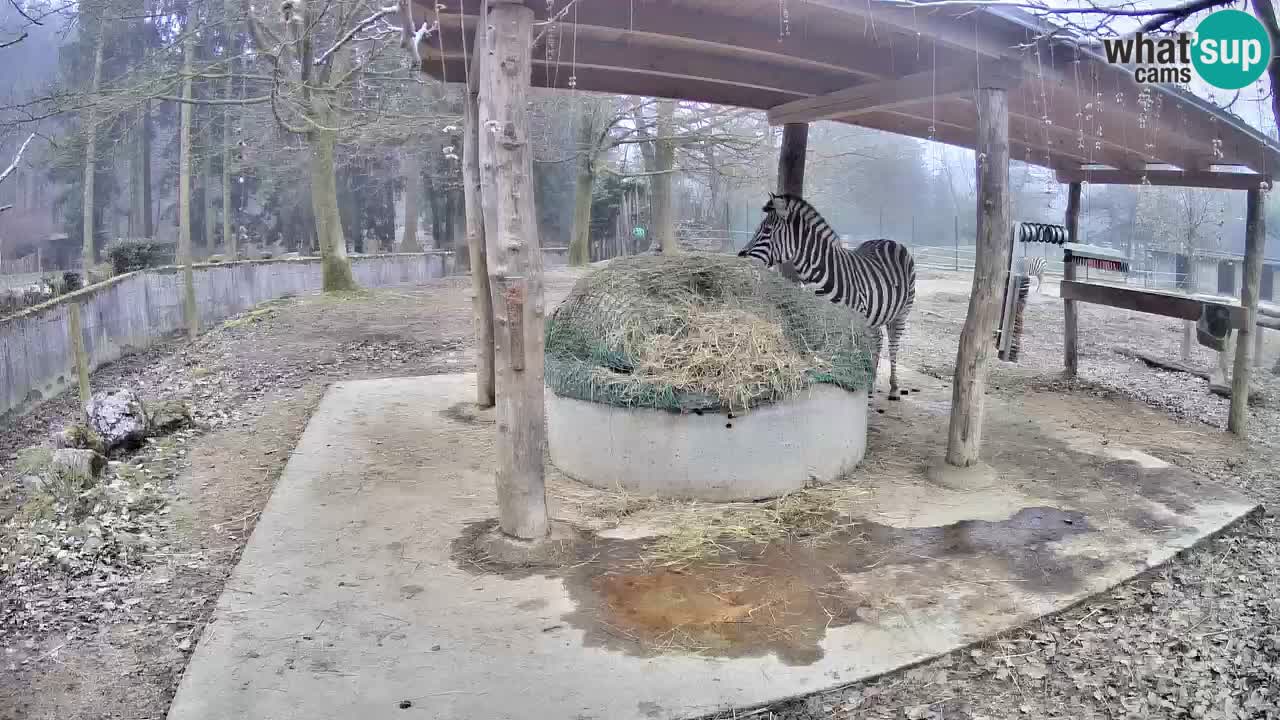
x=877, y=279
x=1033, y=266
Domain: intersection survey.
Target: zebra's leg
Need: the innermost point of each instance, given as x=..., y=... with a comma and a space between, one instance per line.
x=895, y=330
x=877, y=342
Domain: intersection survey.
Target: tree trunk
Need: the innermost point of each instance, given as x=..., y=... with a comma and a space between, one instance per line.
x=412, y=167
x=148, y=208
x=481, y=300
x=88, y=253
x=335, y=268
x=228, y=207
x=206, y=191
x=458, y=228
x=515, y=270
x=136, y=208
x=372, y=221
x=433, y=201
x=964, y=435
x=579, y=242
x=184, y=194
x=664, y=230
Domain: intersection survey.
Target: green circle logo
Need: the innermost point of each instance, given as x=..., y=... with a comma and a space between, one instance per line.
x=1232, y=49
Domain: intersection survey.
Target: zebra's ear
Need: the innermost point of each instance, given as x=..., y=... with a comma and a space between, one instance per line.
x=778, y=204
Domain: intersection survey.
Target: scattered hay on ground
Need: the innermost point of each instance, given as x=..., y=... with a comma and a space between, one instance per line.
x=685, y=532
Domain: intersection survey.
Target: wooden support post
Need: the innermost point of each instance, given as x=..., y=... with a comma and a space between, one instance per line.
x=76, y=336
x=515, y=267
x=1070, y=356
x=1254, y=242
x=964, y=436
x=795, y=145
x=481, y=300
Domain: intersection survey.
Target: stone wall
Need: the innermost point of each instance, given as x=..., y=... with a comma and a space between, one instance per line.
x=133, y=310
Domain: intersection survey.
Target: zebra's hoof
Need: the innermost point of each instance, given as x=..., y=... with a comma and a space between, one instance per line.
x=894, y=397
x=904, y=391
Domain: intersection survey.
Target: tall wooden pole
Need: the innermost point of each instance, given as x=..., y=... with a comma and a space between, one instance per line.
x=1254, y=242
x=964, y=435
x=481, y=300
x=1070, y=359
x=795, y=145
x=515, y=267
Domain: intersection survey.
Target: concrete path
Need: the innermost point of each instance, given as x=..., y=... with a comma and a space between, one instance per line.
x=349, y=604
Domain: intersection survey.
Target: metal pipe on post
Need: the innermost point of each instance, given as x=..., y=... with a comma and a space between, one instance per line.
x=515, y=268
x=964, y=433
x=1254, y=242
x=795, y=145
x=1070, y=357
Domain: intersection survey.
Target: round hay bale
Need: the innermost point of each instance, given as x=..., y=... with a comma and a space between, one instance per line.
x=704, y=375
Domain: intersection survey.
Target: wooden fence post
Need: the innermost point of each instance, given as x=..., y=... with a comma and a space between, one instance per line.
x=964, y=434
x=481, y=300
x=1254, y=242
x=76, y=336
x=1070, y=356
x=515, y=267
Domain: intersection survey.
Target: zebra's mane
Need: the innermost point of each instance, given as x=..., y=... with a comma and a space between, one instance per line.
x=800, y=205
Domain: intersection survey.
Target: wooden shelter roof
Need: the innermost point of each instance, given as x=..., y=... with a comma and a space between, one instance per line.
x=877, y=65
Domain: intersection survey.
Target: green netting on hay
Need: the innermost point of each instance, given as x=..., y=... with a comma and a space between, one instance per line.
x=699, y=331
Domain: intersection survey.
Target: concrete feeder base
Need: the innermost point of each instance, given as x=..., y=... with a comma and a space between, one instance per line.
x=767, y=452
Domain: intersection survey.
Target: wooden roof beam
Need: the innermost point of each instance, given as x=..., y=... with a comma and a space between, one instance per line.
x=892, y=93
x=1186, y=143
x=647, y=84
x=952, y=32
x=1164, y=176
x=1041, y=140
x=701, y=28
x=961, y=136
x=632, y=55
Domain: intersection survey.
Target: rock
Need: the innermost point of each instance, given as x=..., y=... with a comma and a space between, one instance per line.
x=291, y=256
x=92, y=544
x=165, y=416
x=215, y=259
x=79, y=436
x=32, y=484
x=134, y=540
x=119, y=417
x=83, y=466
x=34, y=460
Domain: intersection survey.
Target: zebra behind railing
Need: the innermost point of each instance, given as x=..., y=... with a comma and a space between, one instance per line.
x=877, y=279
x=1033, y=266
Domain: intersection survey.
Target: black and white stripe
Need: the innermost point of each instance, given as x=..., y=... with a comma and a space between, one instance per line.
x=877, y=279
x=1033, y=266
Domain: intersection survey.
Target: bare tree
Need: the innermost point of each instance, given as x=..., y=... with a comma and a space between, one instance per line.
x=313, y=62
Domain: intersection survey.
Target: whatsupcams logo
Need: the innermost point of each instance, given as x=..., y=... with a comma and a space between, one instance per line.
x=1229, y=49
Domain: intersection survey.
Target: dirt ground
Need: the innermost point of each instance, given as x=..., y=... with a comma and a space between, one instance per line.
x=108, y=636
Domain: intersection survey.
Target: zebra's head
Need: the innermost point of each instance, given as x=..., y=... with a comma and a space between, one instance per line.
x=766, y=244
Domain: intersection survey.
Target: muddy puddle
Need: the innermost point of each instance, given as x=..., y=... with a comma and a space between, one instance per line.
x=750, y=600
